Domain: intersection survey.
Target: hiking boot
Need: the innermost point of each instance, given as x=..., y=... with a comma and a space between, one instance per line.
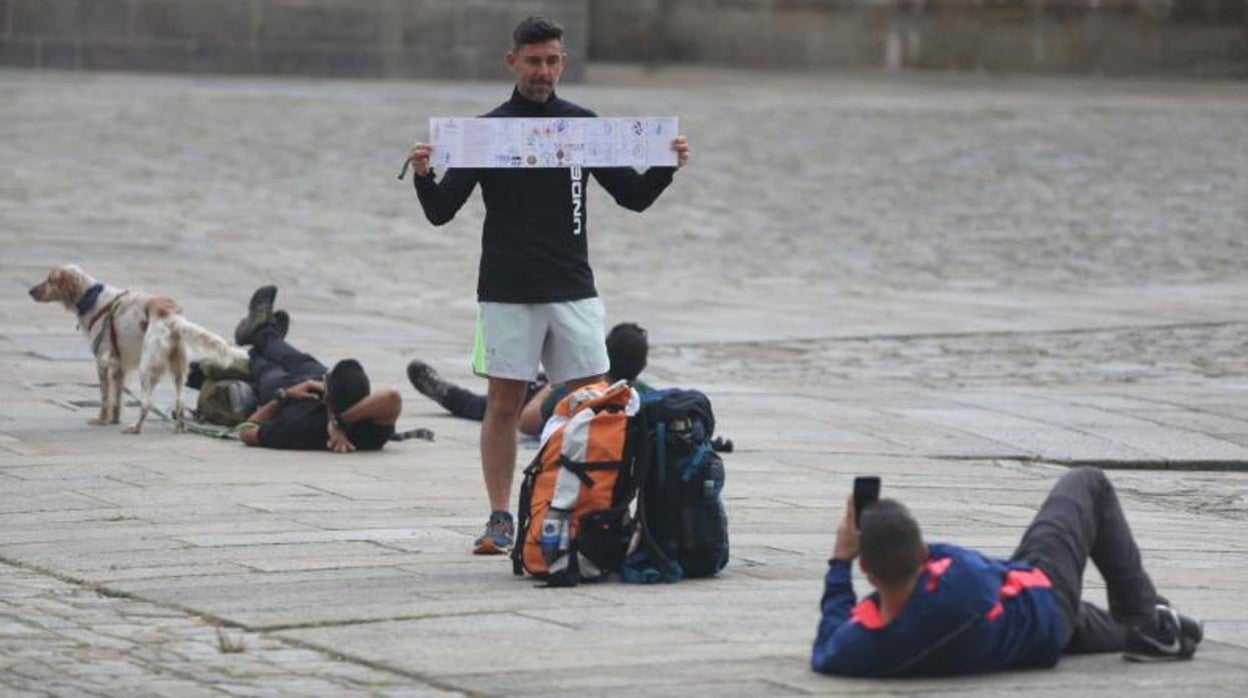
x=259, y=314
x=1174, y=638
x=281, y=322
x=427, y=381
x=499, y=531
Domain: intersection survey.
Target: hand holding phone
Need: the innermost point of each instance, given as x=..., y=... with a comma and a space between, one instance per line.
x=866, y=493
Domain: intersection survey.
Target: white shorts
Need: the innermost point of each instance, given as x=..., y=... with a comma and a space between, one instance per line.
x=569, y=339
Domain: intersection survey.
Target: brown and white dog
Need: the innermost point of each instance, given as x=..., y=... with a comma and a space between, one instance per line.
x=130, y=330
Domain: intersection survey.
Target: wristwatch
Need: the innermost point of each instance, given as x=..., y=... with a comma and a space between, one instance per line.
x=281, y=397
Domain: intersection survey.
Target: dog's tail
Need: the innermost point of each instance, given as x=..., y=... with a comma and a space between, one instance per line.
x=206, y=343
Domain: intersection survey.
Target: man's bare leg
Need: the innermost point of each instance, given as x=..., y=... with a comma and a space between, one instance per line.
x=498, y=439
x=498, y=461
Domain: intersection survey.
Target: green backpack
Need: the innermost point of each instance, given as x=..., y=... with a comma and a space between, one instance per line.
x=227, y=396
x=225, y=401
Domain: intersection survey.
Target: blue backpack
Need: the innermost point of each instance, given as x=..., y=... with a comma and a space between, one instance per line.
x=682, y=524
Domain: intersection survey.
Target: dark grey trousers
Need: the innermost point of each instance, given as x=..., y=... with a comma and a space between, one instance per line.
x=469, y=405
x=1082, y=519
x=275, y=364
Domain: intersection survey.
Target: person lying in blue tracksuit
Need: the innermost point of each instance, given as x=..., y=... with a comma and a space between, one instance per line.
x=943, y=609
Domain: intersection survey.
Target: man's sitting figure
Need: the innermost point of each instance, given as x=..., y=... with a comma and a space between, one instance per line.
x=304, y=405
x=627, y=349
x=942, y=609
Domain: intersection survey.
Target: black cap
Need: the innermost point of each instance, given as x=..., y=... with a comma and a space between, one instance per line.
x=347, y=384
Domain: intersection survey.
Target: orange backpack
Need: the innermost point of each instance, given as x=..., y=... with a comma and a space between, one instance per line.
x=573, y=520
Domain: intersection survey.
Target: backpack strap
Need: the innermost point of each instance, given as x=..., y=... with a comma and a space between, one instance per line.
x=659, y=447
x=556, y=525
x=522, y=513
x=695, y=462
x=649, y=564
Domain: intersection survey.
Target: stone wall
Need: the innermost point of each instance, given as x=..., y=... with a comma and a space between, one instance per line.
x=401, y=38
x=466, y=38
x=1055, y=36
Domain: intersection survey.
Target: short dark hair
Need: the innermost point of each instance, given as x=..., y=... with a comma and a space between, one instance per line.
x=347, y=384
x=627, y=348
x=536, y=30
x=890, y=542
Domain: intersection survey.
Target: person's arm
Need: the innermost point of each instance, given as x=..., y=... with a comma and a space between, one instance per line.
x=531, y=421
x=310, y=389
x=439, y=200
x=636, y=191
x=337, y=438
x=250, y=436
x=828, y=654
x=265, y=413
x=306, y=390
x=835, y=608
x=382, y=407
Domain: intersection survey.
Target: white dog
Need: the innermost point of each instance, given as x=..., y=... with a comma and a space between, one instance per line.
x=130, y=330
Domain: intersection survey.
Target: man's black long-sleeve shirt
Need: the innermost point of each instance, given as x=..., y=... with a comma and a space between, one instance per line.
x=533, y=243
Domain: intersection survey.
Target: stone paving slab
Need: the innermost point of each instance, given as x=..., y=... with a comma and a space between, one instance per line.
x=1157, y=439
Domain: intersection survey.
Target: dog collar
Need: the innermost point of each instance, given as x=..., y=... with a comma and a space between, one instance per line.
x=87, y=302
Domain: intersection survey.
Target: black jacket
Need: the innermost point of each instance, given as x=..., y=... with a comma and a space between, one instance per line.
x=533, y=244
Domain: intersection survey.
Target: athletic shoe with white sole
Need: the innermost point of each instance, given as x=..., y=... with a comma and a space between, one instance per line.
x=1175, y=638
x=499, y=531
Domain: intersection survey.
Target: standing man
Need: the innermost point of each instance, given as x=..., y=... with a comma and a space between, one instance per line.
x=538, y=303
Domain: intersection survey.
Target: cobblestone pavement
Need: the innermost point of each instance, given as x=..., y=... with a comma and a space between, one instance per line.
x=958, y=283
x=1104, y=356
x=61, y=638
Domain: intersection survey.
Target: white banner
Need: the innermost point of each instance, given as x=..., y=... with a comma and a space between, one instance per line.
x=639, y=142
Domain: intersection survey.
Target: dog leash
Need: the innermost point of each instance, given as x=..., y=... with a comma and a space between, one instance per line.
x=195, y=427
x=110, y=311
x=232, y=432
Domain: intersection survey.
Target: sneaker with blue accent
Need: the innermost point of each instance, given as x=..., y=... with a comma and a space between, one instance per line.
x=499, y=531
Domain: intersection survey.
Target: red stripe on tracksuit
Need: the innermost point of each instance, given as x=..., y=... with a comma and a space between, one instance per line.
x=1014, y=583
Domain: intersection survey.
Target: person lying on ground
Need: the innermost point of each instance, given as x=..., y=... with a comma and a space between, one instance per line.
x=942, y=609
x=627, y=349
x=303, y=404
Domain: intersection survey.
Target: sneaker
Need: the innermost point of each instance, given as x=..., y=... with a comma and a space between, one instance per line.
x=259, y=314
x=427, y=381
x=1189, y=628
x=1175, y=638
x=281, y=321
x=499, y=531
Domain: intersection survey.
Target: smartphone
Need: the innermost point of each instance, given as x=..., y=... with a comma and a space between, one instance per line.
x=866, y=493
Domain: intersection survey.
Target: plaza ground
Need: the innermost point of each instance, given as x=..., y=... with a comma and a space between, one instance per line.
x=962, y=284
